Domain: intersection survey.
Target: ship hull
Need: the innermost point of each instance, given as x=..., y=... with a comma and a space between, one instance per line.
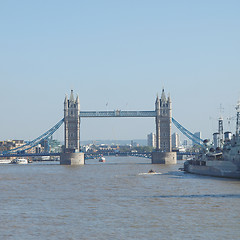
x=222, y=169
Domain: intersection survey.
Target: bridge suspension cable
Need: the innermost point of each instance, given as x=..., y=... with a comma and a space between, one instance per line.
x=36, y=141
x=187, y=133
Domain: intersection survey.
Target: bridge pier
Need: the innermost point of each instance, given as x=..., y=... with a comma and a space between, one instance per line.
x=164, y=157
x=76, y=158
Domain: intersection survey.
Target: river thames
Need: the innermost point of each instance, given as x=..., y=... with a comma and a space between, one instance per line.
x=115, y=200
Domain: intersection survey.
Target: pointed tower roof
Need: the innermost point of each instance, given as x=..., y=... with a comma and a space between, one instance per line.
x=157, y=104
x=169, y=99
x=66, y=98
x=163, y=97
x=71, y=97
x=157, y=99
x=77, y=100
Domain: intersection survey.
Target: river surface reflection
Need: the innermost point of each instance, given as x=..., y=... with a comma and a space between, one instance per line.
x=115, y=200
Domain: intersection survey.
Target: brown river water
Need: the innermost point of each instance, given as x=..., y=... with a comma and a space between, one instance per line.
x=115, y=200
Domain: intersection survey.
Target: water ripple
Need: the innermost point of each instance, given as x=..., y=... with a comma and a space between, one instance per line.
x=200, y=196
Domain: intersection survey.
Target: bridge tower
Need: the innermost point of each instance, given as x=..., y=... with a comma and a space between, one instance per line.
x=163, y=153
x=72, y=153
x=165, y=123
x=72, y=124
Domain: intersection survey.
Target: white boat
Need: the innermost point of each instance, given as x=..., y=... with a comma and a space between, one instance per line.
x=20, y=161
x=5, y=161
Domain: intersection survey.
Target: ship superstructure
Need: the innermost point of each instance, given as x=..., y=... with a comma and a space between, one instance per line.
x=223, y=161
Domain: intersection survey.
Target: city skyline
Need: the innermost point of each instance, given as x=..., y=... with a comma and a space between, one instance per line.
x=117, y=55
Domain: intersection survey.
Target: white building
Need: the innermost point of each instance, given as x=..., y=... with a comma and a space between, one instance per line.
x=151, y=140
x=175, y=140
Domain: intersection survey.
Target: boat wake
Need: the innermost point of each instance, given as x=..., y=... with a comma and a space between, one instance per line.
x=155, y=173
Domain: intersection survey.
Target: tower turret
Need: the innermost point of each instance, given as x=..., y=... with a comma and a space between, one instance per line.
x=157, y=104
x=170, y=107
x=77, y=103
x=71, y=99
x=157, y=109
x=163, y=96
x=65, y=106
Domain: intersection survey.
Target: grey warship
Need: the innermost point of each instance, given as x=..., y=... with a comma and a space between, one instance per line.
x=219, y=162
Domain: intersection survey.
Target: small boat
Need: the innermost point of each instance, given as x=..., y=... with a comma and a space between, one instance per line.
x=20, y=161
x=102, y=159
x=150, y=172
x=5, y=161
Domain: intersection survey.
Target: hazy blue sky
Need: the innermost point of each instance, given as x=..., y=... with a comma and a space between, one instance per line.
x=121, y=53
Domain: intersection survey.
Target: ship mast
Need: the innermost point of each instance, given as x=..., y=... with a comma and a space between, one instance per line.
x=220, y=127
x=238, y=118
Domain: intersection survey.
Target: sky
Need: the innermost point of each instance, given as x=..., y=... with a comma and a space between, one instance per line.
x=117, y=55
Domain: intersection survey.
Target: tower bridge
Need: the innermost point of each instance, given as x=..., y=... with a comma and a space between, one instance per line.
x=72, y=115
x=162, y=114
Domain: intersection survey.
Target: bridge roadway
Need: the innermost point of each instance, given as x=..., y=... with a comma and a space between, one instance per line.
x=117, y=113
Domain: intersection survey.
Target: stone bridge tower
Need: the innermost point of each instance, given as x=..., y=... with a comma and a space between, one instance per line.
x=163, y=153
x=72, y=153
x=72, y=124
x=165, y=123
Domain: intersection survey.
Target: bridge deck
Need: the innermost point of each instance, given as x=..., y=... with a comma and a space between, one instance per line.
x=117, y=113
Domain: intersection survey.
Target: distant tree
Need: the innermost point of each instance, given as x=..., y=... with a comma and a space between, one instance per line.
x=143, y=149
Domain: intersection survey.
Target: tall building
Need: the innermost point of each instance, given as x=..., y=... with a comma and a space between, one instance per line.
x=185, y=143
x=151, y=140
x=163, y=108
x=175, y=140
x=72, y=124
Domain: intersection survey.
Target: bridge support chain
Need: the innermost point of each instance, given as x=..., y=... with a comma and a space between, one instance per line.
x=76, y=158
x=164, y=158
